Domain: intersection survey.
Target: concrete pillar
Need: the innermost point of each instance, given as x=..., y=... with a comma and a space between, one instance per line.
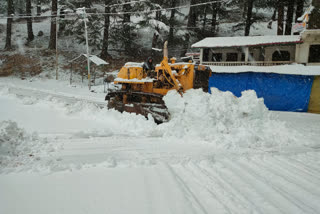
x=246, y=52
x=201, y=55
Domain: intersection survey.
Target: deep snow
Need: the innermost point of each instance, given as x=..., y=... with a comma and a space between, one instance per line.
x=218, y=154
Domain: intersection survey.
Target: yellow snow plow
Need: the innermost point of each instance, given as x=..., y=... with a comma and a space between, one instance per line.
x=142, y=90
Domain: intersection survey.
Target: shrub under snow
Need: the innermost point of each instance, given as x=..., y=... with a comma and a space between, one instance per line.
x=13, y=139
x=18, y=148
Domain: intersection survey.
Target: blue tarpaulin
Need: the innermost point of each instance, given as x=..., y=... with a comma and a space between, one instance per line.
x=281, y=92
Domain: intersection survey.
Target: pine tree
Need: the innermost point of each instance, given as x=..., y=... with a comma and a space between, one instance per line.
x=280, y=17
x=105, y=42
x=314, y=22
x=75, y=28
x=289, y=20
x=38, y=7
x=155, y=22
x=172, y=22
x=19, y=6
x=127, y=28
x=29, y=21
x=215, y=12
x=192, y=17
x=3, y=7
x=53, y=27
x=9, y=25
x=249, y=17
x=299, y=10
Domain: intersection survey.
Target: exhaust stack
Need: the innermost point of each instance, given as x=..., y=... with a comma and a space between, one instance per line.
x=165, y=50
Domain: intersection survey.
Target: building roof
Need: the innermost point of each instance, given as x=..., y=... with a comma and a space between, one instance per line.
x=214, y=42
x=96, y=60
x=93, y=58
x=293, y=69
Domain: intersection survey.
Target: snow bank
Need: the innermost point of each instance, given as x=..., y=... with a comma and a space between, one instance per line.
x=224, y=119
x=219, y=118
x=19, y=149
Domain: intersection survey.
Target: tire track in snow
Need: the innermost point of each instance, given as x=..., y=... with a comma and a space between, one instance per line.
x=281, y=199
x=281, y=184
x=306, y=169
x=311, y=156
x=149, y=198
x=305, y=176
x=166, y=196
x=242, y=189
x=223, y=193
x=285, y=183
x=302, y=162
x=190, y=196
x=213, y=192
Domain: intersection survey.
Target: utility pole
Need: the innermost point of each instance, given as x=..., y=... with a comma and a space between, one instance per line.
x=57, y=58
x=83, y=14
x=88, y=59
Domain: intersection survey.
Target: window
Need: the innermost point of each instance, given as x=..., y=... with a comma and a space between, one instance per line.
x=314, y=53
x=232, y=57
x=205, y=57
x=243, y=57
x=216, y=57
x=281, y=56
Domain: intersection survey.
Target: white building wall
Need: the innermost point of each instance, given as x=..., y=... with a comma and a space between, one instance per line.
x=309, y=37
x=299, y=53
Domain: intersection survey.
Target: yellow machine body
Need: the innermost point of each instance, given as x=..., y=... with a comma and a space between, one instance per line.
x=142, y=90
x=167, y=76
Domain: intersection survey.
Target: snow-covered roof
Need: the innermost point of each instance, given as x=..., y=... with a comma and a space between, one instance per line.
x=93, y=58
x=133, y=64
x=96, y=60
x=192, y=54
x=214, y=42
x=135, y=80
x=294, y=69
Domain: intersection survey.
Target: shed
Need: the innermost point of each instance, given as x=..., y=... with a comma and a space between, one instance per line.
x=82, y=58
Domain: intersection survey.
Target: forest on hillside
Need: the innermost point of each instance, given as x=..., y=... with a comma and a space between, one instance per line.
x=132, y=29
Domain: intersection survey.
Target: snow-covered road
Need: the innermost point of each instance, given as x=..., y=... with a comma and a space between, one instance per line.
x=240, y=185
x=92, y=165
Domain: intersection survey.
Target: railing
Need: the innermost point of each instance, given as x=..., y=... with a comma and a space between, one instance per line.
x=257, y=63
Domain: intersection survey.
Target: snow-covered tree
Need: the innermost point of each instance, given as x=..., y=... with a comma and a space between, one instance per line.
x=53, y=27
x=3, y=7
x=315, y=16
x=76, y=29
x=29, y=21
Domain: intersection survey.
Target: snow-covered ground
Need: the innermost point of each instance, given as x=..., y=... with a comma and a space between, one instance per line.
x=62, y=152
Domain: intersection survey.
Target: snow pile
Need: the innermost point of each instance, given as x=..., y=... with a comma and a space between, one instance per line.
x=224, y=119
x=12, y=139
x=18, y=148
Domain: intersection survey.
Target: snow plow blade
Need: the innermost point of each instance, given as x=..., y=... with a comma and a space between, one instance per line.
x=139, y=103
